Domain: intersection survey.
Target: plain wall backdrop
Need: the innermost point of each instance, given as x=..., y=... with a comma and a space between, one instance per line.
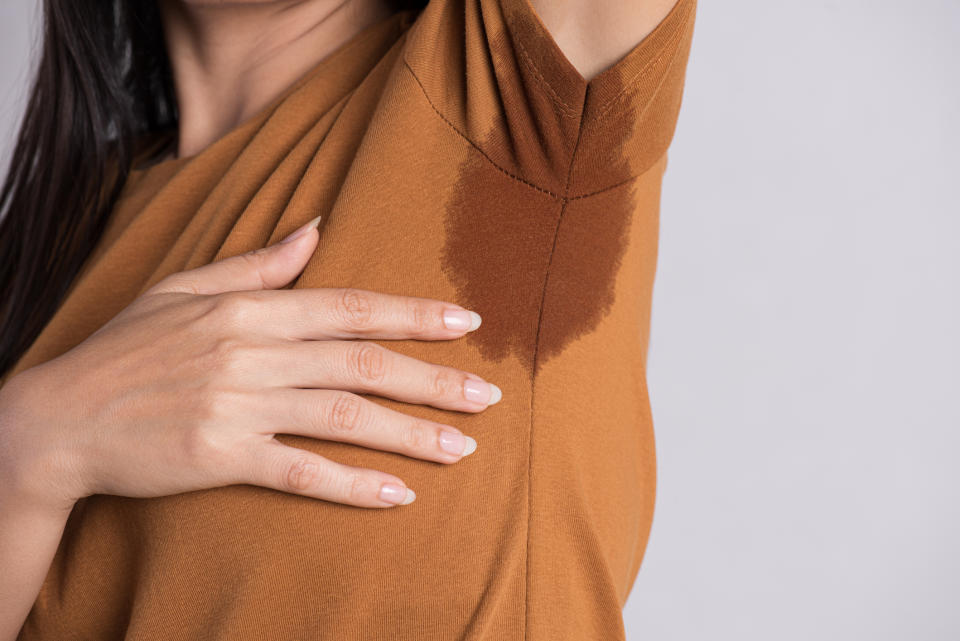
x=803, y=369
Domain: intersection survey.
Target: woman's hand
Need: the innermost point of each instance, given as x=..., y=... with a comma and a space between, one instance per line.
x=186, y=387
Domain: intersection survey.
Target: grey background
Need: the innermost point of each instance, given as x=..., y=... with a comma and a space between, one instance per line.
x=18, y=38
x=804, y=354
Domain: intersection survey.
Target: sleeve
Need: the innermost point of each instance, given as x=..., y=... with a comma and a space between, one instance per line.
x=494, y=72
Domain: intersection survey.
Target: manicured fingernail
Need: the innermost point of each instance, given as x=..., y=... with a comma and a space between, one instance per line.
x=481, y=392
x=303, y=230
x=461, y=319
x=457, y=443
x=397, y=494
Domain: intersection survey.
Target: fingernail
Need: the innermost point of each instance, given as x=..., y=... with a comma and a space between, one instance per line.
x=461, y=319
x=303, y=230
x=457, y=443
x=397, y=494
x=481, y=392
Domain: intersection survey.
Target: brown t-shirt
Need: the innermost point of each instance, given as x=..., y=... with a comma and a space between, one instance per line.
x=455, y=154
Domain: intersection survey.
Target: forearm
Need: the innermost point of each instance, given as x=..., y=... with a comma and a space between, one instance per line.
x=29, y=536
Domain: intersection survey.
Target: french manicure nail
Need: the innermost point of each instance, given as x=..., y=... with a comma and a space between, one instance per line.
x=481, y=392
x=461, y=319
x=452, y=442
x=397, y=494
x=457, y=443
x=302, y=230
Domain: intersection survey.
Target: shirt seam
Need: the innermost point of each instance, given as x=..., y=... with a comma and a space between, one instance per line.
x=533, y=377
x=423, y=90
x=559, y=197
x=565, y=109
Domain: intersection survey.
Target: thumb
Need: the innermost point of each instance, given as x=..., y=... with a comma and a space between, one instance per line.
x=269, y=267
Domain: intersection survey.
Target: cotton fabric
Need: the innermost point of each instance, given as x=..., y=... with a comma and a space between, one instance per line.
x=454, y=154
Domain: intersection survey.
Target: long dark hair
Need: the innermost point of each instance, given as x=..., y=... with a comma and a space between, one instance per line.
x=103, y=84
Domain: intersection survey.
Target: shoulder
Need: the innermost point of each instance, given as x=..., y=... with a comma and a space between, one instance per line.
x=569, y=96
x=595, y=34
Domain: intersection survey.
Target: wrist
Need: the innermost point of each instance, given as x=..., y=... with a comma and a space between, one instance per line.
x=31, y=472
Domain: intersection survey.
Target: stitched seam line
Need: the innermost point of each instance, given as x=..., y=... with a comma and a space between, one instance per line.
x=472, y=144
x=533, y=377
x=598, y=191
x=608, y=105
x=559, y=197
x=560, y=103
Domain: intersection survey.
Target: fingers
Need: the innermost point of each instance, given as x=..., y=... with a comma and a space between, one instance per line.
x=280, y=467
x=346, y=417
x=346, y=312
x=266, y=268
x=365, y=366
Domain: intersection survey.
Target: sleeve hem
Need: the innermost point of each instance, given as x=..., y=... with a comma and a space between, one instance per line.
x=564, y=83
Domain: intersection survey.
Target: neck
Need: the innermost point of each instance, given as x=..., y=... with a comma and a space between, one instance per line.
x=231, y=59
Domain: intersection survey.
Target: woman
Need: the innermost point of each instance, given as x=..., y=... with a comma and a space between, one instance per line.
x=187, y=447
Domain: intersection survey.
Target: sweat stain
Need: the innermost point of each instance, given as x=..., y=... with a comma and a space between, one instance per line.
x=539, y=267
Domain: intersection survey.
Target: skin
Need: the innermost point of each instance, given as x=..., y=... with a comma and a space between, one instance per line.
x=594, y=34
x=186, y=387
x=230, y=59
